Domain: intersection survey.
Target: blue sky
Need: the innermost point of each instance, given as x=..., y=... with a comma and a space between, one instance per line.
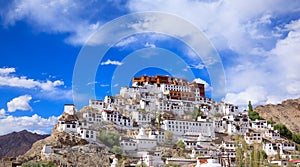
x=258, y=45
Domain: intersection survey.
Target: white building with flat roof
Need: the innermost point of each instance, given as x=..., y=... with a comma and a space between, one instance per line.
x=70, y=109
x=253, y=137
x=144, y=142
x=180, y=127
x=98, y=104
x=272, y=134
x=117, y=118
x=278, y=147
x=87, y=134
x=92, y=117
x=259, y=125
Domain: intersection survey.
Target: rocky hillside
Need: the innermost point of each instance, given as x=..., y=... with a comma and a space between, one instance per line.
x=17, y=143
x=64, y=145
x=287, y=113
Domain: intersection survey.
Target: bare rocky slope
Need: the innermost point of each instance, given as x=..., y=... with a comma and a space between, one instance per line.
x=63, y=142
x=17, y=143
x=287, y=113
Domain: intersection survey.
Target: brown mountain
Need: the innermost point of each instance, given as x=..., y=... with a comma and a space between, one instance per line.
x=287, y=113
x=17, y=143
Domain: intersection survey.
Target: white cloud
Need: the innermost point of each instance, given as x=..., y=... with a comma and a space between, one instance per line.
x=126, y=41
x=34, y=123
x=92, y=83
x=198, y=66
x=247, y=29
x=286, y=55
x=19, y=103
x=111, y=62
x=206, y=85
x=6, y=71
x=150, y=45
x=55, y=16
x=2, y=113
x=48, y=89
x=256, y=94
x=275, y=70
x=104, y=85
x=49, y=85
x=24, y=82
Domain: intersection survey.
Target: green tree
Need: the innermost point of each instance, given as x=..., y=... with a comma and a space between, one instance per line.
x=252, y=164
x=172, y=165
x=180, y=144
x=117, y=150
x=169, y=135
x=270, y=121
x=296, y=138
x=195, y=113
x=247, y=160
x=240, y=157
x=158, y=121
x=259, y=160
x=39, y=164
x=250, y=108
x=283, y=130
x=109, y=138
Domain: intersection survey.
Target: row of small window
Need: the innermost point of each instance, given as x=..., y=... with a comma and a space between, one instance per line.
x=180, y=127
x=189, y=123
x=97, y=103
x=88, y=136
x=191, y=144
x=128, y=144
x=187, y=130
x=69, y=126
x=261, y=127
x=229, y=145
x=97, y=120
x=254, y=138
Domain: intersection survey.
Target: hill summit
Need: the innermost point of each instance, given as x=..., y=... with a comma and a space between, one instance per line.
x=287, y=113
x=17, y=143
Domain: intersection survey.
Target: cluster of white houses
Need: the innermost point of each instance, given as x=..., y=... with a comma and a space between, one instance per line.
x=136, y=107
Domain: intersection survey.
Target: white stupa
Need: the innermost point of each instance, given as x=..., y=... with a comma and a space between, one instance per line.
x=115, y=162
x=142, y=134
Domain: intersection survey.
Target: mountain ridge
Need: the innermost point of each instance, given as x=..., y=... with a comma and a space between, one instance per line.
x=18, y=143
x=287, y=113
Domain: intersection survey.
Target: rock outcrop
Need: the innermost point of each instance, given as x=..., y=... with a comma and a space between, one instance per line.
x=287, y=113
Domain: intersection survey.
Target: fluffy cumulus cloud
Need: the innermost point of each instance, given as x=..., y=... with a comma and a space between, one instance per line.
x=19, y=103
x=48, y=89
x=6, y=71
x=33, y=123
x=55, y=16
x=264, y=62
x=111, y=62
x=262, y=41
x=8, y=79
x=256, y=94
x=286, y=54
x=276, y=74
